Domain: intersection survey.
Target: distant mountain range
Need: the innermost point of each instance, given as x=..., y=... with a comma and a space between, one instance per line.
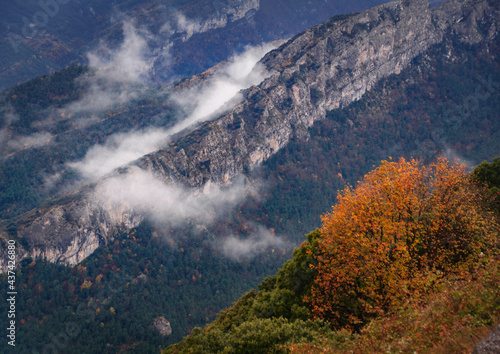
x=185, y=37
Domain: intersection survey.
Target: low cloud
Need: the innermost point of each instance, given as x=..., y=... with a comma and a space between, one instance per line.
x=8, y=115
x=242, y=71
x=187, y=26
x=4, y=138
x=119, y=150
x=140, y=192
x=51, y=181
x=243, y=249
x=116, y=76
x=453, y=155
x=218, y=93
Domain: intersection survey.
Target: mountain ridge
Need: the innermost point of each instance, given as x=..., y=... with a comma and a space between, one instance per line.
x=282, y=106
x=272, y=93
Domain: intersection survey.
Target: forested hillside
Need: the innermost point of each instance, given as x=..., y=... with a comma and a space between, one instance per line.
x=49, y=134
x=407, y=260
x=304, y=179
x=112, y=298
x=437, y=106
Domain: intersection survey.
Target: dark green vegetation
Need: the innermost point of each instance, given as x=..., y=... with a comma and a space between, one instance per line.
x=265, y=319
x=28, y=100
x=488, y=174
x=111, y=299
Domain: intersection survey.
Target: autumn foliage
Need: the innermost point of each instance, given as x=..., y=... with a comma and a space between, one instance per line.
x=405, y=226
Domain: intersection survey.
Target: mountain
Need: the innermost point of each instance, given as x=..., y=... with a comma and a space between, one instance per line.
x=320, y=70
x=185, y=37
x=186, y=240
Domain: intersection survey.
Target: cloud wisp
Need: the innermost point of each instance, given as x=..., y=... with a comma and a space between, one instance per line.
x=138, y=191
x=199, y=104
x=187, y=26
x=117, y=76
x=34, y=140
x=119, y=150
x=11, y=142
x=141, y=193
x=242, y=71
x=241, y=249
x=452, y=155
x=8, y=116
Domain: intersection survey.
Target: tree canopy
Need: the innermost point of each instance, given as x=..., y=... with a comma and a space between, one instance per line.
x=402, y=228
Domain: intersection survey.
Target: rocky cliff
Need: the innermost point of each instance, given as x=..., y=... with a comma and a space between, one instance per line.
x=326, y=67
x=224, y=14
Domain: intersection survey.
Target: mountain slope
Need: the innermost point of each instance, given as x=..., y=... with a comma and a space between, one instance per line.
x=458, y=296
x=410, y=115
x=324, y=68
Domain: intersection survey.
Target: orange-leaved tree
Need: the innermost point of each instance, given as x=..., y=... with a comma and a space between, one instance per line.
x=405, y=225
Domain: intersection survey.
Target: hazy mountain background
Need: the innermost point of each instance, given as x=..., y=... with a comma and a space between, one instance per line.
x=184, y=37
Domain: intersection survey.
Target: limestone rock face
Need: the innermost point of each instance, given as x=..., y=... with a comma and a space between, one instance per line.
x=161, y=325
x=231, y=11
x=326, y=67
x=70, y=231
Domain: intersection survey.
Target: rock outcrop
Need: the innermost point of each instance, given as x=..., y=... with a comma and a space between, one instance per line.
x=326, y=67
x=224, y=13
x=162, y=325
x=490, y=344
x=70, y=232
